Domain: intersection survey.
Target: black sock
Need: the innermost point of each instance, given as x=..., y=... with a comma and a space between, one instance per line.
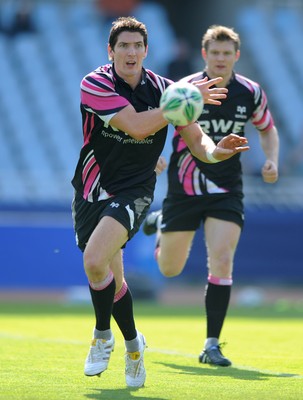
x=216, y=305
x=124, y=315
x=103, y=304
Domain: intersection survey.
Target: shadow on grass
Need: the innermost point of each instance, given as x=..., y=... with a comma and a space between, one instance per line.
x=244, y=373
x=119, y=394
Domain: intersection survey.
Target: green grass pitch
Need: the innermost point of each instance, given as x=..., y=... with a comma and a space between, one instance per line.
x=43, y=348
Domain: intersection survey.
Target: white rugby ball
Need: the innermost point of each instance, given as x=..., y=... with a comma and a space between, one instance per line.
x=181, y=103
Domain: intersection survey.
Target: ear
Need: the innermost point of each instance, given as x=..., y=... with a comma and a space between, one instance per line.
x=110, y=53
x=203, y=52
x=238, y=55
x=146, y=51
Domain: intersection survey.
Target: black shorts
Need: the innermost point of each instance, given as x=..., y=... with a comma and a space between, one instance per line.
x=129, y=209
x=185, y=213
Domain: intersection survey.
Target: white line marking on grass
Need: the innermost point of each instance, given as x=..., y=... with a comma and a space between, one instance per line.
x=150, y=350
x=5, y=335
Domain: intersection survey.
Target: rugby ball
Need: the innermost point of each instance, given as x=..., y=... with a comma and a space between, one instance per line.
x=181, y=103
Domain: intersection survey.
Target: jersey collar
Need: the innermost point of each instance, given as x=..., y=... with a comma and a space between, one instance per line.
x=122, y=81
x=204, y=74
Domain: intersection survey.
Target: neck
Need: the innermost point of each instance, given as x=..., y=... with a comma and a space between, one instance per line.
x=131, y=80
x=226, y=78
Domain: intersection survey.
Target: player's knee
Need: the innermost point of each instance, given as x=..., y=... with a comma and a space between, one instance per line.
x=168, y=273
x=168, y=270
x=91, y=264
x=222, y=265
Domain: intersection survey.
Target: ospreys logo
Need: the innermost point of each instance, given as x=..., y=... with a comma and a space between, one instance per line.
x=241, y=112
x=114, y=205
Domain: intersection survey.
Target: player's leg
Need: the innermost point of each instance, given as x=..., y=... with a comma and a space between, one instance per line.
x=175, y=225
x=103, y=248
x=124, y=316
x=221, y=241
x=133, y=210
x=173, y=251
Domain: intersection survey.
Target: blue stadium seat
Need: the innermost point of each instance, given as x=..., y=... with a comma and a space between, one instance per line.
x=260, y=37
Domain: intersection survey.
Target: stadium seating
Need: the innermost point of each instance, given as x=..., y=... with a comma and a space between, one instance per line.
x=264, y=33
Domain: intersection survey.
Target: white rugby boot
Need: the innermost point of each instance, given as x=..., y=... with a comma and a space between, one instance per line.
x=98, y=357
x=135, y=373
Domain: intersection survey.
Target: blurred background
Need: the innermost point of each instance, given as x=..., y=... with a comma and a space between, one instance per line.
x=47, y=46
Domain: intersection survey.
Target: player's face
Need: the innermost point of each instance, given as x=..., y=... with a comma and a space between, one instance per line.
x=220, y=59
x=128, y=55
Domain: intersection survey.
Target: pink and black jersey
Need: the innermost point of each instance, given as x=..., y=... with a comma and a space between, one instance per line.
x=245, y=101
x=110, y=160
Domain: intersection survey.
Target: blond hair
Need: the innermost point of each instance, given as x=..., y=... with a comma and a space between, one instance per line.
x=220, y=33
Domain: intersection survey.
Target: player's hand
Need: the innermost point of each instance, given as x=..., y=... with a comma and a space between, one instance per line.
x=161, y=165
x=270, y=172
x=211, y=95
x=229, y=146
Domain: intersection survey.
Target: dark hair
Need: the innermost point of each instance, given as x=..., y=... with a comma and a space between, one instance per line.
x=129, y=24
x=221, y=34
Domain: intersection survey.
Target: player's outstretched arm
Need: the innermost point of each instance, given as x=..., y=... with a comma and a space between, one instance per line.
x=138, y=125
x=229, y=146
x=211, y=95
x=202, y=146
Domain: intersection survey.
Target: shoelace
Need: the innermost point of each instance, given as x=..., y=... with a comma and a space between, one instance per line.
x=214, y=350
x=100, y=351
